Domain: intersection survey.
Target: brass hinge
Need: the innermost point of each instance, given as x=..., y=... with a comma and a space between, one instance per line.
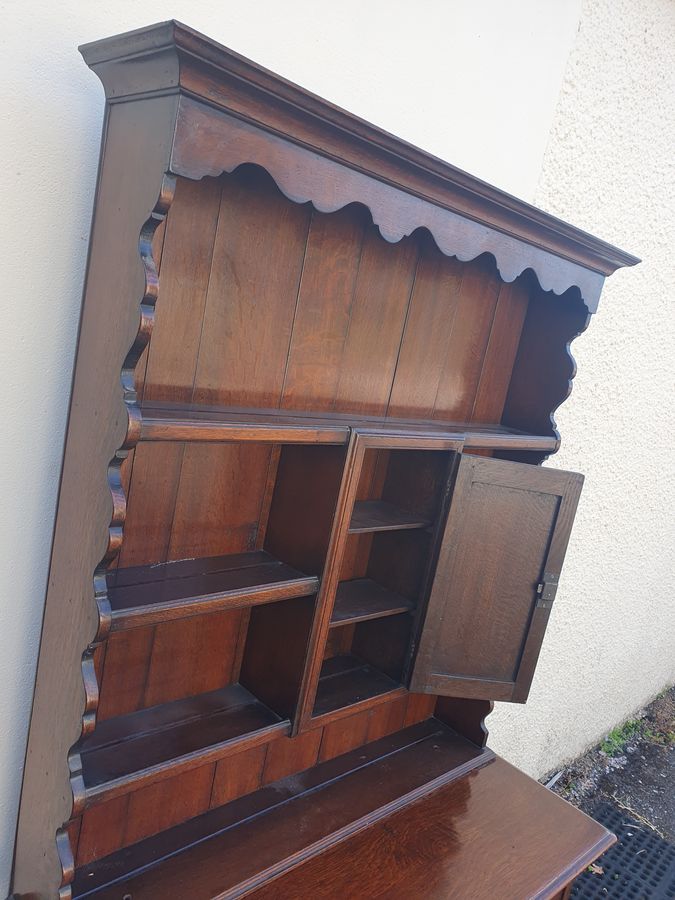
x=546, y=590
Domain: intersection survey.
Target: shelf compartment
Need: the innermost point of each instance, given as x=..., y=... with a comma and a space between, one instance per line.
x=348, y=682
x=241, y=846
x=363, y=599
x=148, y=595
x=378, y=515
x=185, y=422
x=140, y=748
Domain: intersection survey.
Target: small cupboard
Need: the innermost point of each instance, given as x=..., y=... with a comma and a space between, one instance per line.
x=315, y=385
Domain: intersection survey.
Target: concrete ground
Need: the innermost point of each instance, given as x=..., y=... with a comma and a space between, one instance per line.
x=632, y=770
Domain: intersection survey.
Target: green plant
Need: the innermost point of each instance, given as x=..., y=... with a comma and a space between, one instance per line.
x=616, y=740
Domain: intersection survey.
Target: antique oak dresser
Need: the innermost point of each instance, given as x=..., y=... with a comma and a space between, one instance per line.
x=304, y=538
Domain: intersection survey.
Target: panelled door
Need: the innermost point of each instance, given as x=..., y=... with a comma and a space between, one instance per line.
x=499, y=561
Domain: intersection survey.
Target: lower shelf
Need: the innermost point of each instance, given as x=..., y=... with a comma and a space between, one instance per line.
x=129, y=751
x=346, y=681
x=234, y=849
x=378, y=515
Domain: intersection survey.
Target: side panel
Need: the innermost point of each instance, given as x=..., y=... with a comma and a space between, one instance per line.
x=90, y=508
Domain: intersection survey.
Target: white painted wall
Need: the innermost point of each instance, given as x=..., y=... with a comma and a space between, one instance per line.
x=476, y=82
x=610, y=168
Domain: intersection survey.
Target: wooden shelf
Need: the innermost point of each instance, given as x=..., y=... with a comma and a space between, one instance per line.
x=348, y=681
x=363, y=599
x=169, y=422
x=184, y=422
x=378, y=515
x=129, y=751
x=147, y=595
x=232, y=850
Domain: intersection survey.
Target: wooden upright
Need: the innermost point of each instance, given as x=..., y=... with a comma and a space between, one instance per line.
x=304, y=537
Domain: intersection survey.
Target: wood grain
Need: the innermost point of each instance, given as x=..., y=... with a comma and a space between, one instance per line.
x=381, y=298
x=239, y=775
x=466, y=348
x=323, y=311
x=424, y=346
x=509, y=524
x=461, y=835
x=313, y=817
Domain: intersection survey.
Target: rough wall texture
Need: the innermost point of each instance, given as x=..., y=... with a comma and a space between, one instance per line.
x=610, y=168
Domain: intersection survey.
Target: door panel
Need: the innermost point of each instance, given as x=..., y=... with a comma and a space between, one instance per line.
x=498, y=566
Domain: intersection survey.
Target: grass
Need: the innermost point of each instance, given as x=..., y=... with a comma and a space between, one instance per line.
x=615, y=742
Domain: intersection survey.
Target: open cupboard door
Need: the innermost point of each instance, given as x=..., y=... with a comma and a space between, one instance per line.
x=498, y=567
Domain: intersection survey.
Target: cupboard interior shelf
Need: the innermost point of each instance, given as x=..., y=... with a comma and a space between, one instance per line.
x=378, y=515
x=145, y=595
x=250, y=839
x=362, y=599
x=348, y=681
x=129, y=750
x=175, y=422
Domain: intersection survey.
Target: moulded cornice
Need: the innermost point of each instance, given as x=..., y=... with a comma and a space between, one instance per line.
x=170, y=57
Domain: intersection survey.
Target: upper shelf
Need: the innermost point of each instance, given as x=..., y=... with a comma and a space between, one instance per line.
x=175, y=422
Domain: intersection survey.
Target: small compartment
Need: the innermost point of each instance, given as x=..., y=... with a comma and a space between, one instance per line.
x=214, y=527
x=228, y=683
x=390, y=541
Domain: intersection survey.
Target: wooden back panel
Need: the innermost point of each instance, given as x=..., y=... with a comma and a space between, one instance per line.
x=347, y=323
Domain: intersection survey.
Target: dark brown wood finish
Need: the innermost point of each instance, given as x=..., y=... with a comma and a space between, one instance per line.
x=302, y=816
x=195, y=587
x=486, y=835
x=261, y=472
x=131, y=817
x=497, y=574
x=365, y=473
x=132, y=190
x=378, y=515
x=362, y=599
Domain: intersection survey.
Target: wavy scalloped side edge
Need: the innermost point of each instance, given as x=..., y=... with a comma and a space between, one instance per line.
x=116, y=525
x=483, y=722
x=572, y=373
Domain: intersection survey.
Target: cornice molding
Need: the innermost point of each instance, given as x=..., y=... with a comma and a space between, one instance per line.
x=170, y=57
